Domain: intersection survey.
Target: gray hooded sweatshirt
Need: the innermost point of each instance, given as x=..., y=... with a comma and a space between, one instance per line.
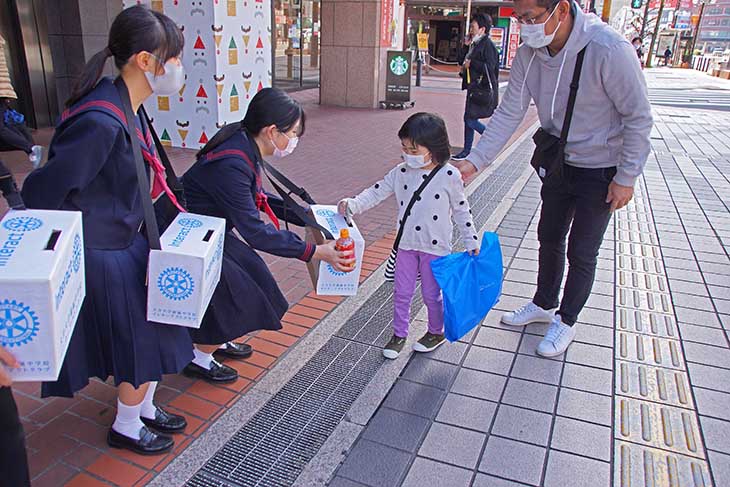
x=612, y=116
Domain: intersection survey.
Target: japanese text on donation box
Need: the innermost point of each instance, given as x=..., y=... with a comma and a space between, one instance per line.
x=398, y=76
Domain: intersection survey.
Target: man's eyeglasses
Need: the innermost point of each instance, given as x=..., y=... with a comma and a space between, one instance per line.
x=522, y=19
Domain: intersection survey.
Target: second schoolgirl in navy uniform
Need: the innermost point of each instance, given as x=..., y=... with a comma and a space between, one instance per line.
x=91, y=169
x=226, y=182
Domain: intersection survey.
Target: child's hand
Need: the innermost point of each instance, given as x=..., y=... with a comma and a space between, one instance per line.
x=474, y=252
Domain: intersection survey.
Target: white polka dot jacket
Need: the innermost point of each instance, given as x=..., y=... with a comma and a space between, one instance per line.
x=429, y=227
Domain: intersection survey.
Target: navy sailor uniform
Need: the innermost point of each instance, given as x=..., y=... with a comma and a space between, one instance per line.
x=91, y=169
x=226, y=183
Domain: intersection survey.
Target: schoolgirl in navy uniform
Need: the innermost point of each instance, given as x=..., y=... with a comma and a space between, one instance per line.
x=91, y=169
x=226, y=182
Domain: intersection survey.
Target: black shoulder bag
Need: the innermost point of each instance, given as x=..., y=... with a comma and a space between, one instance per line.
x=390, y=265
x=287, y=208
x=549, y=155
x=150, y=219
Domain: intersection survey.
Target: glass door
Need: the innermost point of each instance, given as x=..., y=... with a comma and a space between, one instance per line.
x=296, y=47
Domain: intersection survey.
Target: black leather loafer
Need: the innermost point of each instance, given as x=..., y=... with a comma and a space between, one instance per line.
x=149, y=443
x=235, y=350
x=217, y=374
x=165, y=422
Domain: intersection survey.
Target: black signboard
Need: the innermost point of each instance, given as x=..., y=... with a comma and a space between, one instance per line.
x=398, y=77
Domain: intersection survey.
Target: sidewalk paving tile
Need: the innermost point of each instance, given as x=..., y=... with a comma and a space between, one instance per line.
x=523, y=425
x=482, y=480
x=467, y=412
x=427, y=473
x=717, y=434
x=513, y=460
x=482, y=385
x=586, y=406
x=587, y=379
x=488, y=360
x=430, y=372
x=414, y=398
x=453, y=445
x=375, y=465
x=397, y=429
x=566, y=469
x=530, y=395
x=590, y=355
x=582, y=438
x=537, y=369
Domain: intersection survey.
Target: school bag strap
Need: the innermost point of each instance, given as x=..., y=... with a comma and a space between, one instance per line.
x=414, y=198
x=289, y=203
x=150, y=220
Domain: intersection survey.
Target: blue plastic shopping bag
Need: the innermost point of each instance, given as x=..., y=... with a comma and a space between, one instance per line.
x=471, y=286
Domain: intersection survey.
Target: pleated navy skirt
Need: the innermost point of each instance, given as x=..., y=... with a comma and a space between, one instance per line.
x=246, y=299
x=113, y=336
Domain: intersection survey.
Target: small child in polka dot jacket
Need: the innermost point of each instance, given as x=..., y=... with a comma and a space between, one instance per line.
x=429, y=227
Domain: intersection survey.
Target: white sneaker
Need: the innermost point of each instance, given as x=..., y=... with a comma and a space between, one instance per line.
x=529, y=313
x=557, y=339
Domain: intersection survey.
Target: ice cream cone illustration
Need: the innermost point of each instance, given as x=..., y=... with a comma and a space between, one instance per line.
x=246, y=40
x=217, y=36
x=219, y=89
x=165, y=139
x=158, y=6
x=234, y=99
x=232, y=8
x=247, y=85
x=232, y=52
x=163, y=103
x=183, y=135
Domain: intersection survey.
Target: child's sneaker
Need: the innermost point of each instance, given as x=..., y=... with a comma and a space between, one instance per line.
x=394, y=347
x=428, y=343
x=36, y=156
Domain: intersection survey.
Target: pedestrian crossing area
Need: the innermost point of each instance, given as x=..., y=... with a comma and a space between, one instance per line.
x=706, y=99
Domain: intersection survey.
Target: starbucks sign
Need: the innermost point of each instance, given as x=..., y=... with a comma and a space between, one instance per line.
x=399, y=65
x=398, y=76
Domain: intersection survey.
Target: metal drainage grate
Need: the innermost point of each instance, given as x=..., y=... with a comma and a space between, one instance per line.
x=273, y=447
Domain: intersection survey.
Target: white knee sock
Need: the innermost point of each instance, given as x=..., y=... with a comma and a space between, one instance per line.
x=202, y=359
x=148, y=406
x=127, y=421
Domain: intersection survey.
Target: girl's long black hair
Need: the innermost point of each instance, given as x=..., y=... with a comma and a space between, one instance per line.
x=134, y=30
x=269, y=106
x=428, y=130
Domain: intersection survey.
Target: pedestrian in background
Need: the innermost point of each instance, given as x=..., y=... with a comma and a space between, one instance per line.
x=667, y=56
x=480, y=78
x=594, y=174
x=13, y=133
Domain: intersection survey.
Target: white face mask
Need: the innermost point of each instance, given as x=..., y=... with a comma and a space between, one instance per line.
x=170, y=81
x=415, y=162
x=477, y=38
x=534, y=34
x=290, y=146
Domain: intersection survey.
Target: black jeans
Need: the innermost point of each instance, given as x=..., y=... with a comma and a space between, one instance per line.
x=13, y=458
x=578, y=198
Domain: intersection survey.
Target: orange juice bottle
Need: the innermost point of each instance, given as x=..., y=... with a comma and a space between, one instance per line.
x=346, y=244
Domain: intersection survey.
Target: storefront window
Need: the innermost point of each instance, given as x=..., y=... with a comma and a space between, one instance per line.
x=296, y=45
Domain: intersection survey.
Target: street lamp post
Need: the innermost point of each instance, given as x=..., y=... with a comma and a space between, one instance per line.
x=697, y=34
x=656, y=33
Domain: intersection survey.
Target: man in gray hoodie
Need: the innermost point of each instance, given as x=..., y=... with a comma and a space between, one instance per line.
x=606, y=151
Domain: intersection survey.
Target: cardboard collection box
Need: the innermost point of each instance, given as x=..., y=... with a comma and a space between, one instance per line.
x=326, y=280
x=183, y=275
x=42, y=288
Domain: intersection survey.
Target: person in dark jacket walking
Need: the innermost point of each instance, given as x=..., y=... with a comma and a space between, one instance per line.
x=480, y=74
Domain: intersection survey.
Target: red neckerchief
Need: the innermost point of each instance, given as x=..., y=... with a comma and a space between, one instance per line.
x=159, y=182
